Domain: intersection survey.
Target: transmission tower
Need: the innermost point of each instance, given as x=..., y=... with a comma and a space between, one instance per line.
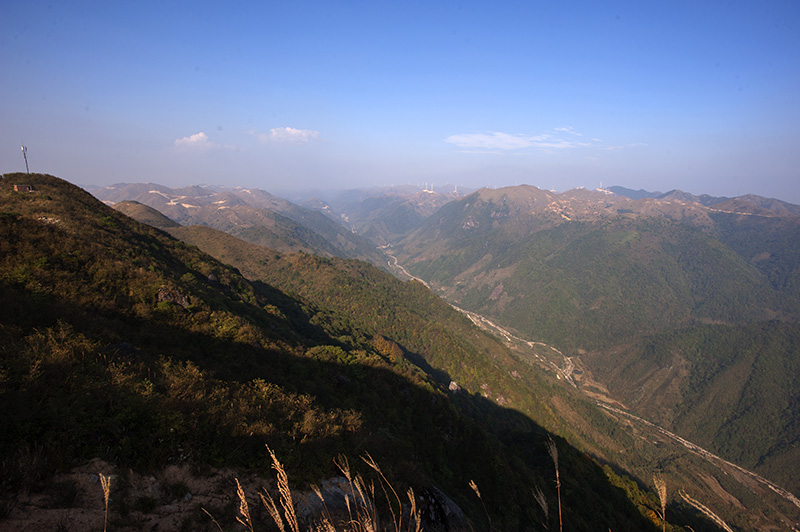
x=25, y=156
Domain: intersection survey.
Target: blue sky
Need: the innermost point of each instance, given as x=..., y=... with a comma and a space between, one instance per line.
x=701, y=96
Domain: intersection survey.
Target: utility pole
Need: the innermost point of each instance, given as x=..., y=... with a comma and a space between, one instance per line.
x=25, y=156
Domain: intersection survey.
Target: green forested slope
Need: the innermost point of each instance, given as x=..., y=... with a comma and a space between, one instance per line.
x=588, y=284
x=122, y=343
x=716, y=301
x=428, y=331
x=732, y=389
x=355, y=293
x=770, y=243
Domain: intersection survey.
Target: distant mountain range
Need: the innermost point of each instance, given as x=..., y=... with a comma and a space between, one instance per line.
x=384, y=214
x=254, y=215
x=749, y=203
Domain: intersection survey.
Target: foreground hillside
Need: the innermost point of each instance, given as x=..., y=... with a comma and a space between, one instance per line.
x=123, y=344
x=429, y=331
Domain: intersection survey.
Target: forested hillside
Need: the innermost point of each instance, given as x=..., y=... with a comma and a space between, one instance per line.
x=732, y=389
x=357, y=294
x=122, y=343
x=685, y=313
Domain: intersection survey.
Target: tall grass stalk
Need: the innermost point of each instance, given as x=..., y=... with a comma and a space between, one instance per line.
x=413, y=520
x=478, y=493
x=360, y=503
x=553, y=452
x=105, y=483
x=366, y=517
x=327, y=521
x=397, y=518
x=212, y=518
x=285, y=498
x=244, y=509
x=540, y=498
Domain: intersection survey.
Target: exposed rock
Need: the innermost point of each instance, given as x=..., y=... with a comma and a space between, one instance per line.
x=171, y=295
x=438, y=512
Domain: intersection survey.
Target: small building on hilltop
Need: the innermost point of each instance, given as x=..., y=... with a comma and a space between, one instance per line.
x=23, y=188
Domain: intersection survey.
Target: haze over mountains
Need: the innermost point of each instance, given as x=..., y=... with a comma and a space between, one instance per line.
x=254, y=215
x=677, y=309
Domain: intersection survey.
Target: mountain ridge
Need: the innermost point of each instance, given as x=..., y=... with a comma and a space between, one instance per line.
x=253, y=214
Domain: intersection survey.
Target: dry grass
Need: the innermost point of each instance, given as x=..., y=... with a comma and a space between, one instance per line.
x=553, y=451
x=362, y=514
x=244, y=509
x=539, y=496
x=212, y=519
x=289, y=515
x=105, y=483
x=478, y=493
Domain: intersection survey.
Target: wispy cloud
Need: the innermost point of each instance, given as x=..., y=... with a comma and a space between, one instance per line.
x=559, y=138
x=505, y=142
x=624, y=146
x=198, y=140
x=287, y=134
x=569, y=130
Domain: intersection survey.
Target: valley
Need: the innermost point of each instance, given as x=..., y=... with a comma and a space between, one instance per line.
x=588, y=209
x=577, y=375
x=543, y=355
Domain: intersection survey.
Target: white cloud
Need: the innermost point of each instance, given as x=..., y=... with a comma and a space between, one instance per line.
x=570, y=130
x=625, y=146
x=196, y=140
x=560, y=138
x=200, y=141
x=289, y=134
x=505, y=141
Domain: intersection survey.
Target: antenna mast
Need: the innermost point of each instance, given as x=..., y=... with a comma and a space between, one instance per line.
x=25, y=156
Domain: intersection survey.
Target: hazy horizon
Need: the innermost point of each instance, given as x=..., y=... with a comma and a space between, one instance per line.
x=336, y=195
x=313, y=95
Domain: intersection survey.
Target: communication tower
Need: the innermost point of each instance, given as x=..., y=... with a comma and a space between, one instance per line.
x=25, y=156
